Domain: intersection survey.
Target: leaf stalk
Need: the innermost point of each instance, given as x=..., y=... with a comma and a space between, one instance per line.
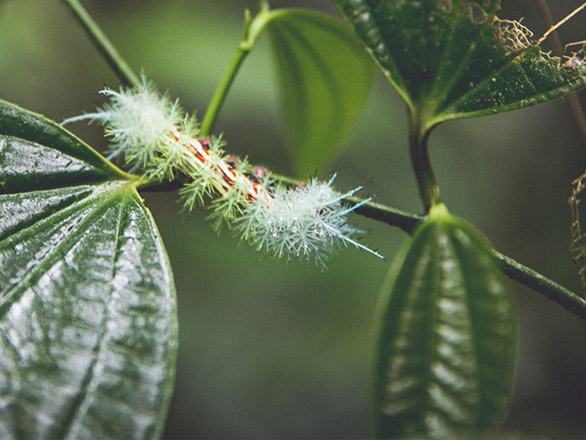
x=122, y=69
x=418, y=137
x=223, y=88
x=514, y=270
x=541, y=284
x=252, y=29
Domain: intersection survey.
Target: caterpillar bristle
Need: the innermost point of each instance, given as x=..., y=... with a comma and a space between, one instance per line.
x=153, y=135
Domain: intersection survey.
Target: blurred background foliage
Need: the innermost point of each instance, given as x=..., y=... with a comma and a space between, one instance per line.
x=273, y=350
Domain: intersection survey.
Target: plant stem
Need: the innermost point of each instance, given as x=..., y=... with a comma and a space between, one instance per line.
x=222, y=91
x=561, y=22
x=252, y=28
x=511, y=268
x=556, y=44
x=541, y=284
x=418, y=136
x=405, y=220
x=122, y=70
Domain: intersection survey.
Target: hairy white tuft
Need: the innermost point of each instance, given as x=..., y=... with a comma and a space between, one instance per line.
x=154, y=135
x=306, y=221
x=140, y=123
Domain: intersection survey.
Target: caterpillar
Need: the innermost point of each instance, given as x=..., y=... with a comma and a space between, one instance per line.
x=153, y=135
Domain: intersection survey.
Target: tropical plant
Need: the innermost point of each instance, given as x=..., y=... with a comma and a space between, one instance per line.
x=89, y=322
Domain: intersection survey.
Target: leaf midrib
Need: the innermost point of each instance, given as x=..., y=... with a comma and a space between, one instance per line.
x=14, y=292
x=89, y=377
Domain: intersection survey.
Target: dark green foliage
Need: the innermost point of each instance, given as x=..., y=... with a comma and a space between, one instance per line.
x=325, y=80
x=448, y=343
x=87, y=302
x=447, y=59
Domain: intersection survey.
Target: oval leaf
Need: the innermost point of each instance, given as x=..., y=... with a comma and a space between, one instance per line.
x=325, y=80
x=88, y=331
x=454, y=58
x=447, y=352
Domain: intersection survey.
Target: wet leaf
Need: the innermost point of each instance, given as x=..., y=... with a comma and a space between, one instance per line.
x=87, y=304
x=325, y=80
x=447, y=349
x=453, y=59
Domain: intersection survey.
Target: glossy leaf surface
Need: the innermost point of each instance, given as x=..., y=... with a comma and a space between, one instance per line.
x=87, y=302
x=325, y=80
x=447, y=352
x=447, y=62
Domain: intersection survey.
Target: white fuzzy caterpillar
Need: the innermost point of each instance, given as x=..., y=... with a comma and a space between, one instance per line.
x=156, y=136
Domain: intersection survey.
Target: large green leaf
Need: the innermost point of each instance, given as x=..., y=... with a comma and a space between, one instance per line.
x=325, y=80
x=446, y=61
x=88, y=333
x=447, y=351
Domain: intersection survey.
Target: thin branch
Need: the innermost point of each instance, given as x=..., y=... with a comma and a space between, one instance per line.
x=541, y=284
x=511, y=268
x=561, y=22
x=405, y=220
x=223, y=88
x=252, y=29
x=122, y=70
x=418, y=137
x=557, y=48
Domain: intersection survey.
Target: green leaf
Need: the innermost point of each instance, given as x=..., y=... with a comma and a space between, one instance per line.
x=88, y=333
x=325, y=80
x=446, y=61
x=447, y=349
